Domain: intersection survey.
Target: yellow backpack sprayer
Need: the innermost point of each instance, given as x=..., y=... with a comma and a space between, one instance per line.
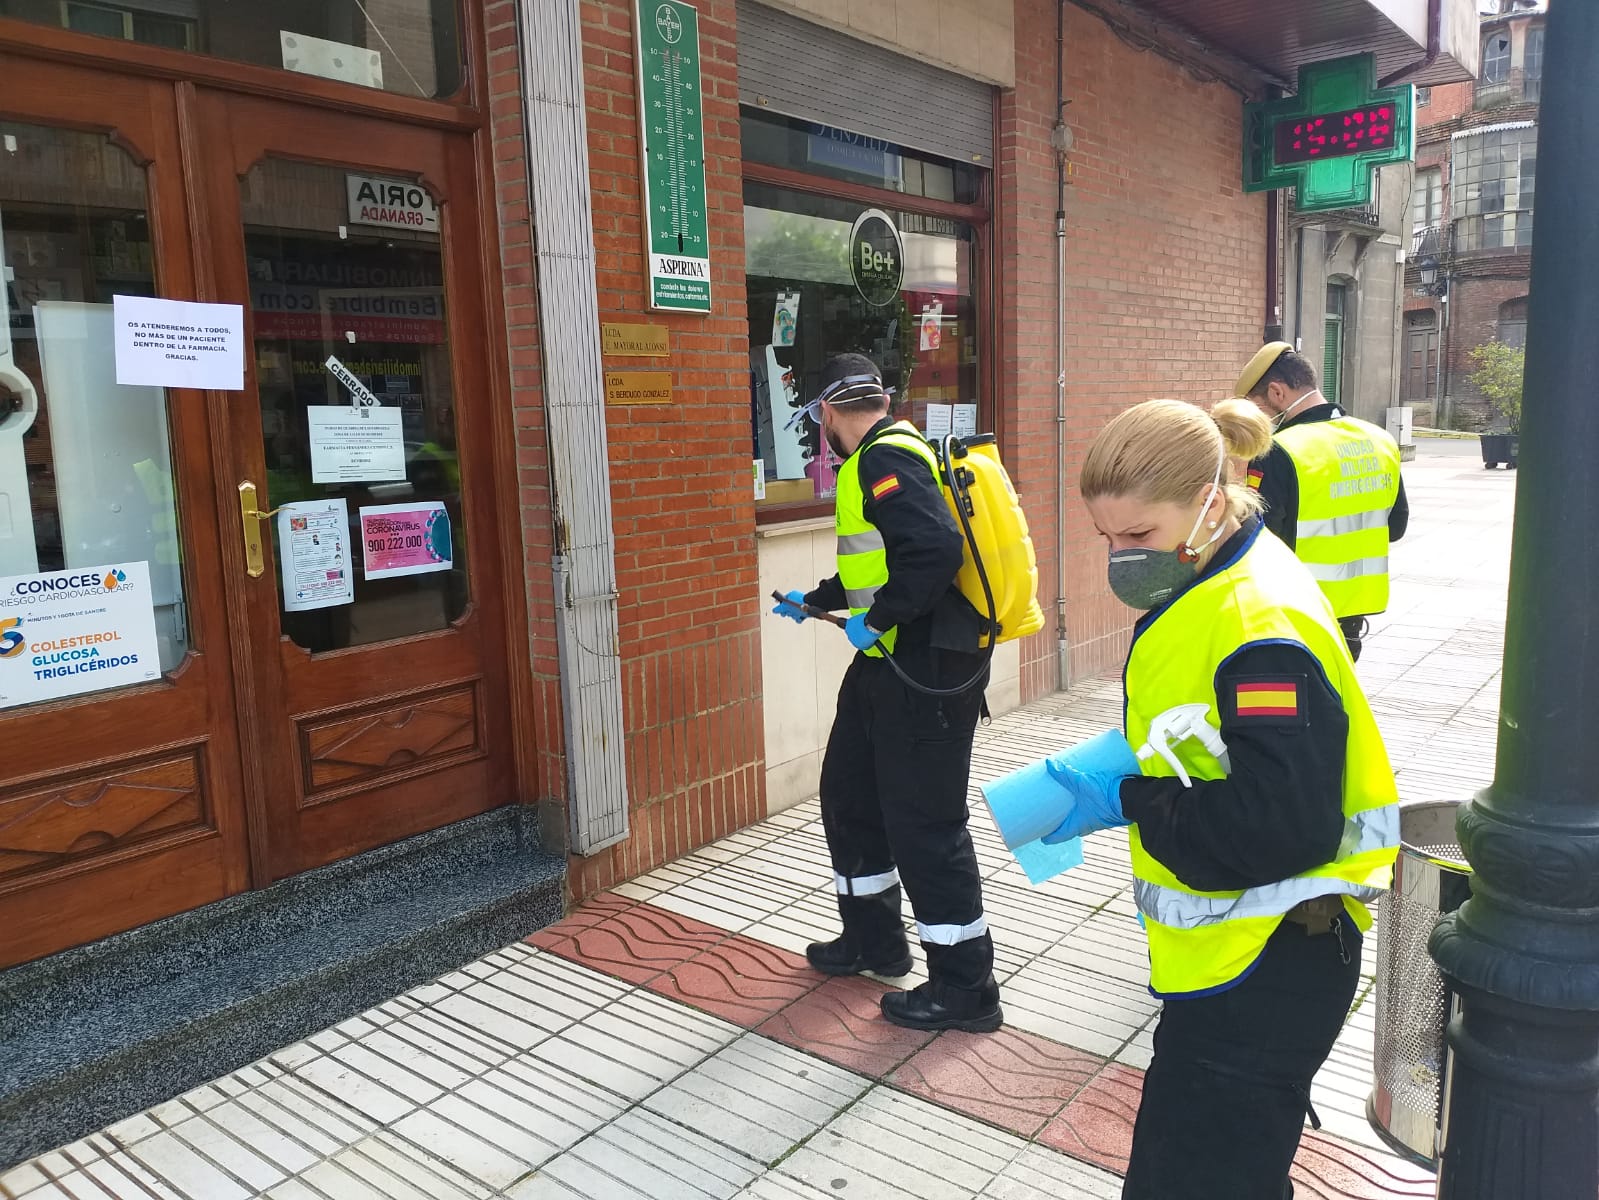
x=999, y=572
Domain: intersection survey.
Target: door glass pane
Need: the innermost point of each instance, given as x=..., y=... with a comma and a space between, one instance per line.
x=86, y=475
x=411, y=47
x=347, y=296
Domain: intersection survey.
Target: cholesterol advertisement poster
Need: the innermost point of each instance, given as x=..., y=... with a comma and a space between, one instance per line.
x=314, y=553
x=63, y=633
x=405, y=539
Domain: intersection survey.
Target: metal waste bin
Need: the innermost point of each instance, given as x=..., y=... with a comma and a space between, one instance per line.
x=1431, y=878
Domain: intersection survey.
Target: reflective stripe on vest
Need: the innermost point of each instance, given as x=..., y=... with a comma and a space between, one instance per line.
x=1348, y=473
x=1203, y=941
x=1372, y=832
x=862, y=559
x=1361, y=568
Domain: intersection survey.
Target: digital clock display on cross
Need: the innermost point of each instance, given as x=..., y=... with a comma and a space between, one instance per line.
x=1326, y=141
x=1353, y=131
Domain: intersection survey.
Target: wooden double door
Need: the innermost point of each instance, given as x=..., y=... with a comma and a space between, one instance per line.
x=323, y=549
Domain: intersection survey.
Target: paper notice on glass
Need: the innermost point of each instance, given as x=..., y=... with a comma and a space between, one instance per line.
x=760, y=478
x=63, y=633
x=355, y=444
x=405, y=539
x=177, y=343
x=314, y=554
x=940, y=420
x=785, y=319
x=933, y=325
x=965, y=422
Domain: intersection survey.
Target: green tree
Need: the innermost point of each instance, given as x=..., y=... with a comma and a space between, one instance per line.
x=1498, y=377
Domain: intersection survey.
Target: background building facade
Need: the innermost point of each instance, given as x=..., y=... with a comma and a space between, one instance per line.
x=1471, y=223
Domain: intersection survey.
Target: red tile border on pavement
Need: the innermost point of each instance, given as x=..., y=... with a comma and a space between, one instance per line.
x=1062, y=1098
x=740, y=980
x=1097, y=1126
x=841, y=1022
x=1012, y=1079
x=635, y=944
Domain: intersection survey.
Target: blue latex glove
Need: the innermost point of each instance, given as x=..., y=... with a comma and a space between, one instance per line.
x=1093, y=774
x=794, y=610
x=860, y=635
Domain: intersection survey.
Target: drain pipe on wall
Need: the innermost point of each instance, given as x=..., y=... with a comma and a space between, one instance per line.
x=1061, y=139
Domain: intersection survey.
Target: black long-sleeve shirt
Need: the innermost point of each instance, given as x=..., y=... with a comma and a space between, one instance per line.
x=923, y=545
x=1279, y=811
x=1279, y=484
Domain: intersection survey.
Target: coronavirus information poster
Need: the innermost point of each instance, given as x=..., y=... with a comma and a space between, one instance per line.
x=63, y=633
x=405, y=539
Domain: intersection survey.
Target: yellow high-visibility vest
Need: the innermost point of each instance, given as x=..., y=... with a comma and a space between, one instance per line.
x=1202, y=941
x=1348, y=482
x=862, y=560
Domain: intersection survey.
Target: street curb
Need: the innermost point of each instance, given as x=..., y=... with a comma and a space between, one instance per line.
x=1444, y=434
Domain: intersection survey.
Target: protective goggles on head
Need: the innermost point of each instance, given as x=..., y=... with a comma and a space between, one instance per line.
x=843, y=391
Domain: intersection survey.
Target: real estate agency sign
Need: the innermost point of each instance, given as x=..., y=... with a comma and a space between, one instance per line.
x=672, y=142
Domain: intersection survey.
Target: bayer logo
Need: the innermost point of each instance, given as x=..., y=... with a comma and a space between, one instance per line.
x=669, y=24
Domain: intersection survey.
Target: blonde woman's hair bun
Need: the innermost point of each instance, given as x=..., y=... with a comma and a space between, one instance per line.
x=1245, y=430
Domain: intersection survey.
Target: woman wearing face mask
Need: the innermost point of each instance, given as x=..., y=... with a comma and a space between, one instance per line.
x=1252, y=878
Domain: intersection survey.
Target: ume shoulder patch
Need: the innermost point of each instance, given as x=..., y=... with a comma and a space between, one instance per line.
x=885, y=486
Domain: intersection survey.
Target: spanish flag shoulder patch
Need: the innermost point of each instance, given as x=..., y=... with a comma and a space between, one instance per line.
x=886, y=486
x=1275, y=699
x=1255, y=474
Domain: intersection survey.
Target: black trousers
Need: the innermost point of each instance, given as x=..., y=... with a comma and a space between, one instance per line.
x=1226, y=1096
x=894, y=797
x=1354, y=629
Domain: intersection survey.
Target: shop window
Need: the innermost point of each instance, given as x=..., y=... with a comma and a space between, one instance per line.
x=86, y=478
x=1492, y=184
x=1496, y=59
x=805, y=307
x=833, y=153
x=411, y=47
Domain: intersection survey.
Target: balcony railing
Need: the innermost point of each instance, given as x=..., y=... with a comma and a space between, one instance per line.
x=1433, y=241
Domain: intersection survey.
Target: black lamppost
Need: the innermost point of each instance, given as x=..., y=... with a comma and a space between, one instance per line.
x=1522, y=1109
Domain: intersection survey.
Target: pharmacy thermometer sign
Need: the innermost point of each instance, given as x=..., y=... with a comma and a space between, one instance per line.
x=672, y=142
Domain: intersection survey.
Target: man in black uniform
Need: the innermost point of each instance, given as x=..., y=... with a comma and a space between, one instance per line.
x=894, y=778
x=1283, y=383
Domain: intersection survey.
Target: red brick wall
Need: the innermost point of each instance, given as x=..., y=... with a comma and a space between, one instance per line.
x=1165, y=263
x=1448, y=102
x=683, y=510
x=1474, y=320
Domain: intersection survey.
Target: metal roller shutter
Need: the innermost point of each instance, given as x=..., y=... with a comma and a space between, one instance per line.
x=790, y=66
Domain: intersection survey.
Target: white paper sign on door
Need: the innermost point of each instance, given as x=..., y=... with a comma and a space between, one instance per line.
x=940, y=421
x=314, y=555
x=355, y=444
x=63, y=633
x=964, y=424
x=177, y=343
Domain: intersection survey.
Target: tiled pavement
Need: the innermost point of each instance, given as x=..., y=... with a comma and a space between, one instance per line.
x=667, y=1041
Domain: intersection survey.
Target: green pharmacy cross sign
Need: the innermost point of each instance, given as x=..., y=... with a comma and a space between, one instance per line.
x=1326, y=141
x=677, y=240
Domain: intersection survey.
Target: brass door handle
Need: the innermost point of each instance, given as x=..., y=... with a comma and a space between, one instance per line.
x=250, y=518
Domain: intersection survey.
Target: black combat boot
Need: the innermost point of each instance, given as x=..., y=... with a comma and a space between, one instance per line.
x=935, y=1005
x=873, y=939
